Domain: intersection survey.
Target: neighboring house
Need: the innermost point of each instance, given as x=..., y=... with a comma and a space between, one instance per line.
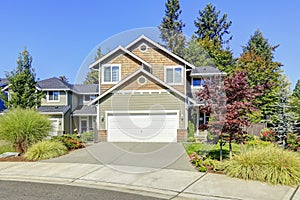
x=144, y=93
x=65, y=104
x=3, y=88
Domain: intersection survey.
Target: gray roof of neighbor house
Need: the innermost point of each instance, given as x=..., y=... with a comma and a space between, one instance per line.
x=206, y=70
x=53, y=109
x=85, y=88
x=85, y=110
x=3, y=82
x=54, y=84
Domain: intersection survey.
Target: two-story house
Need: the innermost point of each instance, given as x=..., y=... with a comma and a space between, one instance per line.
x=65, y=104
x=144, y=93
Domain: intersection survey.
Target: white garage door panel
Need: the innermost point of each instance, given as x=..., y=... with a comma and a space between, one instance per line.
x=142, y=127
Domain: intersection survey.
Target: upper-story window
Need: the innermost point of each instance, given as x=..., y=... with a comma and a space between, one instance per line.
x=88, y=98
x=174, y=75
x=198, y=82
x=53, y=95
x=111, y=73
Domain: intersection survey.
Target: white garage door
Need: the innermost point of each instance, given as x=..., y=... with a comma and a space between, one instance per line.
x=135, y=127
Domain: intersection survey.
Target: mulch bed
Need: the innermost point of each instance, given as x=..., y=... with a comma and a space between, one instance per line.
x=14, y=159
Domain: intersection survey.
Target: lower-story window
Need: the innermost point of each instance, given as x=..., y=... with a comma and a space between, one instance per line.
x=83, y=124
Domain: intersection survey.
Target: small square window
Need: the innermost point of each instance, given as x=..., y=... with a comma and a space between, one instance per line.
x=111, y=73
x=53, y=96
x=173, y=75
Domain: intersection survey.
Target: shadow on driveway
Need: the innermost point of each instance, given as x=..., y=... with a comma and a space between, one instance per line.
x=140, y=155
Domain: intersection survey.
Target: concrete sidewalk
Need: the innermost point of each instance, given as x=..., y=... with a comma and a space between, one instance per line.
x=161, y=183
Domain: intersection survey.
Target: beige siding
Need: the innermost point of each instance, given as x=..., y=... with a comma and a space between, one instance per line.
x=159, y=59
x=145, y=102
x=62, y=100
x=128, y=66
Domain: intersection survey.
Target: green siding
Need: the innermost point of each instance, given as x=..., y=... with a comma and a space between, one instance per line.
x=146, y=101
x=62, y=100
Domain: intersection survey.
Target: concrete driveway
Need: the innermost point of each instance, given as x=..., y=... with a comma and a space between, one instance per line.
x=139, y=157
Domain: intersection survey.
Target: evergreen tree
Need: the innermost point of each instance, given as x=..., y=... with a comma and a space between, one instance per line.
x=210, y=25
x=23, y=85
x=264, y=74
x=283, y=121
x=93, y=76
x=296, y=91
x=171, y=28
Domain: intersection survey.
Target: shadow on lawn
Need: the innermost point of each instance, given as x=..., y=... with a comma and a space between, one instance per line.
x=214, y=153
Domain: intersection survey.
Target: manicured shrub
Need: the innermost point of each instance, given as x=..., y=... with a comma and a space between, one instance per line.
x=45, y=150
x=71, y=141
x=267, y=135
x=191, y=129
x=87, y=136
x=258, y=143
x=293, y=141
x=23, y=127
x=191, y=139
x=198, y=160
x=269, y=164
x=214, y=164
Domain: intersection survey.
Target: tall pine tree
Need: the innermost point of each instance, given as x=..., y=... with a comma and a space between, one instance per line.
x=23, y=85
x=210, y=25
x=171, y=28
x=212, y=32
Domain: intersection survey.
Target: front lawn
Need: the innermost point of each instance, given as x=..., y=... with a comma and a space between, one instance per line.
x=212, y=150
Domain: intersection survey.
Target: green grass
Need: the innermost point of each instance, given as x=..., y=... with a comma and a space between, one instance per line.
x=45, y=150
x=212, y=150
x=268, y=164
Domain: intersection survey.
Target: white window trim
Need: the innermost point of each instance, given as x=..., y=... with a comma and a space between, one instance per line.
x=173, y=67
x=53, y=100
x=200, y=86
x=89, y=96
x=110, y=65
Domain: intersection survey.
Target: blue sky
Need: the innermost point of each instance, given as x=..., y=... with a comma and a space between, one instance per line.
x=61, y=33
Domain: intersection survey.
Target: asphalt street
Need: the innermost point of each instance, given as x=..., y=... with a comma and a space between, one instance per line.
x=14, y=190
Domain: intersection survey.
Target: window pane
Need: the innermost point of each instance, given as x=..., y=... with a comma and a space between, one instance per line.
x=107, y=74
x=196, y=81
x=115, y=73
x=178, y=75
x=86, y=97
x=50, y=94
x=55, y=95
x=169, y=75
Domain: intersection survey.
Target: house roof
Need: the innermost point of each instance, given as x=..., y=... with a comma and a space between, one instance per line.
x=85, y=110
x=143, y=37
x=54, y=109
x=206, y=71
x=86, y=88
x=119, y=48
x=54, y=84
x=3, y=82
x=144, y=72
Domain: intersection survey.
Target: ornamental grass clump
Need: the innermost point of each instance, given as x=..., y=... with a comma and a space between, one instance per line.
x=268, y=164
x=23, y=127
x=45, y=150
